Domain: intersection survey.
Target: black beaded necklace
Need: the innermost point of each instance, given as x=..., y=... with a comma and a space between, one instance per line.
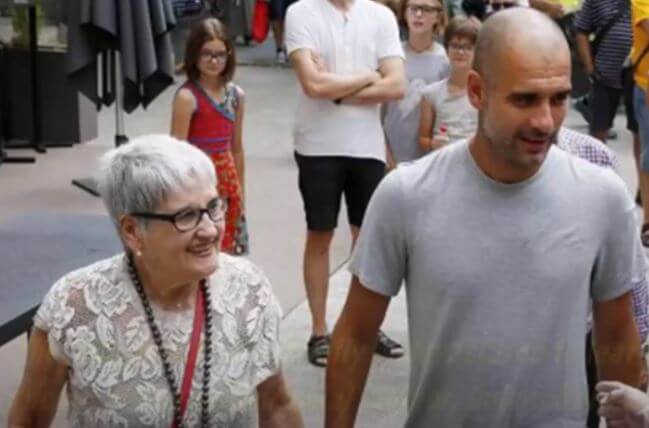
x=157, y=338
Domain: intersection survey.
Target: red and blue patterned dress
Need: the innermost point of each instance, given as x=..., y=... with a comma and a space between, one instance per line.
x=212, y=129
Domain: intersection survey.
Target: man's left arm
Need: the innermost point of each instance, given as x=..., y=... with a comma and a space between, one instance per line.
x=616, y=341
x=620, y=266
x=391, y=86
x=275, y=405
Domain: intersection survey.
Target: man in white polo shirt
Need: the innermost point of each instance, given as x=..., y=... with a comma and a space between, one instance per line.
x=349, y=60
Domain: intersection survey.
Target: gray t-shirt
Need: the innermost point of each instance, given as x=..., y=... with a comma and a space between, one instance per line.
x=498, y=279
x=401, y=119
x=454, y=112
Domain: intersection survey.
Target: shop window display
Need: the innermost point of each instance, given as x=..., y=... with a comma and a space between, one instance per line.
x=14, y=23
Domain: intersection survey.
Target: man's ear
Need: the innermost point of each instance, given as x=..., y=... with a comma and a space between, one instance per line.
x=131, y=233
x=475, y=88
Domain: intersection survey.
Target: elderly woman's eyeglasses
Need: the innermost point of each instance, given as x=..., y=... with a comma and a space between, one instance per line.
x=189, y=218
x=502, y=5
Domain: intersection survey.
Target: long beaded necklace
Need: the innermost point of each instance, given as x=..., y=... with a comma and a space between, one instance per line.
x=166, y=365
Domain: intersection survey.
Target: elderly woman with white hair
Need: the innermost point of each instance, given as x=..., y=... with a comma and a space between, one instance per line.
x=170, y=333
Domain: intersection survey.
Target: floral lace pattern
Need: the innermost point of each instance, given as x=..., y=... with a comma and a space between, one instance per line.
x=96, y=325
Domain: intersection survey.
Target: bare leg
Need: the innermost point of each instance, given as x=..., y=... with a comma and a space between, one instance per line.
x=316, y=277
x=278, y=34
x=355, y=231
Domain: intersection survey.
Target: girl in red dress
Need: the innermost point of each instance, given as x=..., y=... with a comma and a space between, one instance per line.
x=208, y=112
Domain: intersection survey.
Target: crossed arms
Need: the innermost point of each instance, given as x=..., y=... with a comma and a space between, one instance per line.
x=362, y=88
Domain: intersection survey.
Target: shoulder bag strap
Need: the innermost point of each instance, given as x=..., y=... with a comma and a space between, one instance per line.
x=599, y=35
x=642, y=55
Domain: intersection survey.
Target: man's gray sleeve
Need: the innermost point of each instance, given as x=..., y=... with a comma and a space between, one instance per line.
x=380, y=256
x=618, y=269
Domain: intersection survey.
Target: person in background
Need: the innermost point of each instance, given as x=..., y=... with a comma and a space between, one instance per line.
x=473, y=9
x=426, y=62
x=208, y=112
x=349, y=61
x=596, y=152
x=171, y=330
x=603, y=57
x=278, y=10
x=446, y=115
x=640, y=70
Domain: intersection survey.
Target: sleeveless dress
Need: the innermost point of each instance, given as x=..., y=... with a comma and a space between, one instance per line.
x=212, y=129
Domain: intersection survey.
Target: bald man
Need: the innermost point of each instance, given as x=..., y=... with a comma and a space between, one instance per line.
x=502, y=241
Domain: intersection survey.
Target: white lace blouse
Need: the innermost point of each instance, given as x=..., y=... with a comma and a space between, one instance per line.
x=96, y=325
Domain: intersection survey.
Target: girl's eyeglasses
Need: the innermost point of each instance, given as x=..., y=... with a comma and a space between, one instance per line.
x=218, y=56
x=423, y=9
x=459, y=47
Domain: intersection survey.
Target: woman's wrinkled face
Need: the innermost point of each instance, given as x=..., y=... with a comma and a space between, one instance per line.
x=422, y=15
x=188, y=255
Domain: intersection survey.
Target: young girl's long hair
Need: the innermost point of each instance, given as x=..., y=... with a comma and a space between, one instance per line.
x=202, y=32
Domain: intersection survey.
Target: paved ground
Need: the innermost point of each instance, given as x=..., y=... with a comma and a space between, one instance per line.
x=276, y=229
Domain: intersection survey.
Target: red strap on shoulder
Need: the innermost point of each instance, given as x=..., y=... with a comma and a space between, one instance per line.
x=190, y=366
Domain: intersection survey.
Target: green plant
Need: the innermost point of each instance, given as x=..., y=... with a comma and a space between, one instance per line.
x=20, y=22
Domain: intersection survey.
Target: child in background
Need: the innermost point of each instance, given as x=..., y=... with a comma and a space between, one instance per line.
x=208, y=112
x=426, y=62
x=446, y=114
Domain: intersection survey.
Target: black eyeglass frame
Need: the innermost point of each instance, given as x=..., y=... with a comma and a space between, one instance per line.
x=424, y=9
x=502, y=5
x=221, y=56
x=171, y=218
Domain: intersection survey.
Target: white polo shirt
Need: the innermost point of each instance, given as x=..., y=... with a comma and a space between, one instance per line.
x=349, y=42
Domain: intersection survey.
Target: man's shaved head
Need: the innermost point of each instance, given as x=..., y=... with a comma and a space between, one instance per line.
x=520, y=84
x=510, y=34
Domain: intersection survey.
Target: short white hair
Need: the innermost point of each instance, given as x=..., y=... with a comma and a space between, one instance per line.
x=140, y=175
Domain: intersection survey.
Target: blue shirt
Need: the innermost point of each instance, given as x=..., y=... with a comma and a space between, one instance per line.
x=616, y=43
